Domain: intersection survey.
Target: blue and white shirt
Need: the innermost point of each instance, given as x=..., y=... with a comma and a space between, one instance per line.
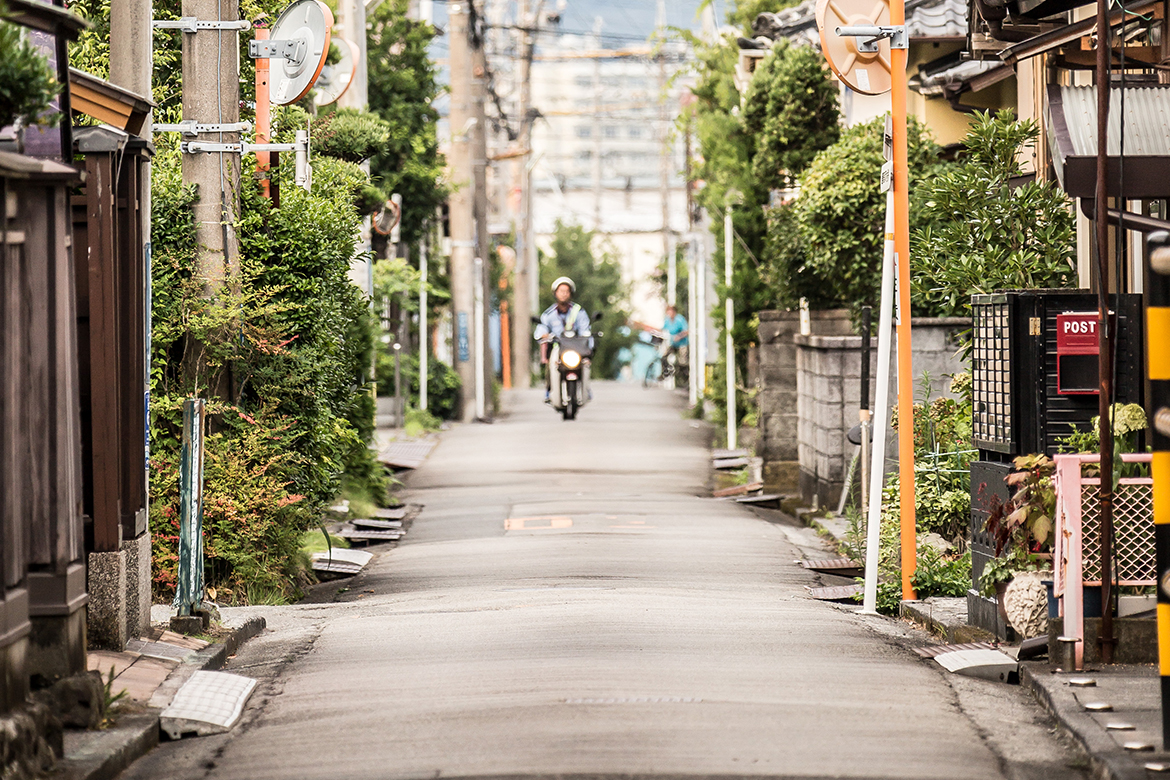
x=556, y=322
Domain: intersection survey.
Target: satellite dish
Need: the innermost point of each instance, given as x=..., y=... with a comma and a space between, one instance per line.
x=303, y=29
x=335, y=79
x=866, y=72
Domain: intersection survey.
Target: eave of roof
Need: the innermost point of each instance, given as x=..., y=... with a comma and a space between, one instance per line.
x=108, y=102
x=1047, y=41
x=1072, y=130
x=44, y=16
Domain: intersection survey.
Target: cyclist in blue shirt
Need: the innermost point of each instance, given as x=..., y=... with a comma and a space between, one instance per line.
x=676, y=325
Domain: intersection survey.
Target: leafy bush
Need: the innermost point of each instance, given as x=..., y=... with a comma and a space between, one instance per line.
x=791, y=111
x=283, y=355
x=841, y=212
x=978, y=232
x=349, y=134
x=942, y=500
x=27, y=83
x=252, y=523
x=442, y=382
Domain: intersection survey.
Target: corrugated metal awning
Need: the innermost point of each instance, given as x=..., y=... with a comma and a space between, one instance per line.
x=1072, y=132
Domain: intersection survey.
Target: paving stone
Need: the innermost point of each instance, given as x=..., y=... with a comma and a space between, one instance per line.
x=142, y=678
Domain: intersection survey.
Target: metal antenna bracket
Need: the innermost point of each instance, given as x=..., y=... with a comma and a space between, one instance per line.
x=189, y=24
x=875, y=34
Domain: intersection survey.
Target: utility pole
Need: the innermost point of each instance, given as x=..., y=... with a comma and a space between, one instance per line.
x=729, y=324
x=352, y=23
x=211, y=95
x=1104, y=325
x=596, y=128
x=523, y=304
x=461, y=204
x=664, y=166
x=131, y=67
x=485, y=367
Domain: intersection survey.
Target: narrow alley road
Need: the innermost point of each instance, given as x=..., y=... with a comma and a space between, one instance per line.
x=567, y=605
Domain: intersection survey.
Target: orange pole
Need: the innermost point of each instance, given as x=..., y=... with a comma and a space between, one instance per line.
x=505, y=346
x=909, y=535
x=263, y=109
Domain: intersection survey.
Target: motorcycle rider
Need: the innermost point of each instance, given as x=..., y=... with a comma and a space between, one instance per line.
x=556, y=319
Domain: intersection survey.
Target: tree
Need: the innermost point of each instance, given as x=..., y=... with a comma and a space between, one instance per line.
x=402, y=86
x=840, y=213
x=600, y=288
x=791, y=112
x=982, y=233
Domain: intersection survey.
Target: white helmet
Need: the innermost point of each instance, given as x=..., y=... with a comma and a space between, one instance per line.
x=564, y=280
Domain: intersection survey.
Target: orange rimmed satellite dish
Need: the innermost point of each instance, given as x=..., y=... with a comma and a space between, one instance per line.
x=867, y=72
x=305, y=27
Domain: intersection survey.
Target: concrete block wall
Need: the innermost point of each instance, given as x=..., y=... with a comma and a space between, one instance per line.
x=810, y=394
x=777, y=397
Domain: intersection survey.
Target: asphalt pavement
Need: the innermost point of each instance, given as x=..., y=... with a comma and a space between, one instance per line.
x=569, y=603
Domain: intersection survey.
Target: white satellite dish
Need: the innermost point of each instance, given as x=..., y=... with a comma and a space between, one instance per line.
x=301, y=35
x=335, y=79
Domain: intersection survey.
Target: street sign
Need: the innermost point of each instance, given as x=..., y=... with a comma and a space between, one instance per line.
x=887, y=175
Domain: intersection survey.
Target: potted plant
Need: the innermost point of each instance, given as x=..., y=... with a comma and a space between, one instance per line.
x=1022, y=528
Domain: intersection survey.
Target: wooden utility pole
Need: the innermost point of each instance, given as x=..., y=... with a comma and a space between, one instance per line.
x=461, y=205
x=523, y=304
x=482, y=280
x=211, y=95
x=596, y=130
x=664, y=166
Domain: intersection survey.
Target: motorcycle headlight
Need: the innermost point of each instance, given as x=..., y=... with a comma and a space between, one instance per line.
x=571, y=359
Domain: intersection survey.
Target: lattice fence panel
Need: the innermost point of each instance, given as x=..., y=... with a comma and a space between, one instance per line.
x=1133, y=532
x=992, y=375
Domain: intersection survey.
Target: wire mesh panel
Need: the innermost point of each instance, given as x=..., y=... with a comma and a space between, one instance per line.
x=991, y=373
x=1133, y=534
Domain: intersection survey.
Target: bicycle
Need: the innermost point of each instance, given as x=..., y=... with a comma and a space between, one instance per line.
x=665, y=367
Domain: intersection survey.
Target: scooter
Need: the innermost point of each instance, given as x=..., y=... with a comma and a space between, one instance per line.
x=569, y=367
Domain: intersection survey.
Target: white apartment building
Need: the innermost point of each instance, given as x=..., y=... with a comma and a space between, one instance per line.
x=609, y=155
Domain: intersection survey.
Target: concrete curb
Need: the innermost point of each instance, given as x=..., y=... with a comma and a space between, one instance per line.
x=211, y=657
x=927, y=614
x=103, y=755
x=1107, y=760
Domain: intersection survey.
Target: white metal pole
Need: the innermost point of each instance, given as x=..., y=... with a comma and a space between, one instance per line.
x=478, y=337
x=423, y=329
x=881, y=418
x=671, y=272
x=692, y=314
x=729, y=324
x=700, y=321
x=303, y=173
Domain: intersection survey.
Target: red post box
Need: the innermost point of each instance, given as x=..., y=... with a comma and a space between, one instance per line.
x=1078, y=344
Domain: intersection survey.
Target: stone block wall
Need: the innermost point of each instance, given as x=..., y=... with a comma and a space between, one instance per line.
x=777, y=397
x=810, y=390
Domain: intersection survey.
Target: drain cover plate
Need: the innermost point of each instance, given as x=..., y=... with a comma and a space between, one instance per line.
x=208, y=703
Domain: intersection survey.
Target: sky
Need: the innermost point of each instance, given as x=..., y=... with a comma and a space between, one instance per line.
x=624, y=22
